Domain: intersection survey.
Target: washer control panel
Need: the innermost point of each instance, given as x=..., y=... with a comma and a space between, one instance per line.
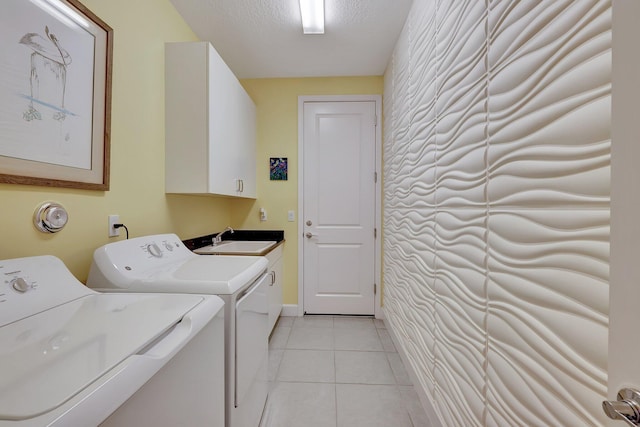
x=14, y=283
x=34, y=284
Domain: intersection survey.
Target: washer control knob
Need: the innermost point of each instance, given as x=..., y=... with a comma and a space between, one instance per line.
x=154, y=250
x=169, y=246
x=20, y=285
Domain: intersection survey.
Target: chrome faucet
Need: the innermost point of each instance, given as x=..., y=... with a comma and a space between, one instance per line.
x=218, y=237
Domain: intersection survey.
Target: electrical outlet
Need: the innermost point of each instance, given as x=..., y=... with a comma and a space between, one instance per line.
x=114, y=219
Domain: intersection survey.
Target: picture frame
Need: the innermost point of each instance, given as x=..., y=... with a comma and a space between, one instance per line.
x=55, y=95
x=278, y=168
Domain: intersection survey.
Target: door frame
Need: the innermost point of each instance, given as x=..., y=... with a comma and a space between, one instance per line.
x=624, y=276
x=378, y=192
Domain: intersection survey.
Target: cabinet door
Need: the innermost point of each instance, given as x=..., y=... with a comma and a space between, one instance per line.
x=247, y=145
x=224, y=106
x=275, y=293
x=187, y=114
x=276, y=270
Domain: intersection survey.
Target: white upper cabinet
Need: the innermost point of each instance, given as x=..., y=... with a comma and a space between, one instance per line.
x=210, y=144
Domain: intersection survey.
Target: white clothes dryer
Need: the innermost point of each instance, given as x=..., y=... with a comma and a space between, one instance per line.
x=162, y=263
x=70, y=356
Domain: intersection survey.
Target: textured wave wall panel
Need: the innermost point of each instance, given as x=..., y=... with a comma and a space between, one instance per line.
x=460, y=109
x=402, y=117
x=421, y=156
x=389, y=151
x=460, y=315
x=413, y=263
x=547, y=325
x=461, y=104
x=496, y=218
x=549, y=104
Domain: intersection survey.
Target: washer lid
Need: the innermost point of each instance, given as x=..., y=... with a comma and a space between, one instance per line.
x=220, y=275
x=49, y=357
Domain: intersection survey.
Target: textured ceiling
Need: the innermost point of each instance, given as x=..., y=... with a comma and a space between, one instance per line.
x=263, y=38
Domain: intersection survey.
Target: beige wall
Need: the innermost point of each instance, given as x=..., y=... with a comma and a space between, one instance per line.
x=137, y=159
x=277, y=114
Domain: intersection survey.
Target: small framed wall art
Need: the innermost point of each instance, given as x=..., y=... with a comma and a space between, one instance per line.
x=278, y=168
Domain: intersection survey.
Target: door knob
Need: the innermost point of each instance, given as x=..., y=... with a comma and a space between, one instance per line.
x=309, y=235
x=626, y=408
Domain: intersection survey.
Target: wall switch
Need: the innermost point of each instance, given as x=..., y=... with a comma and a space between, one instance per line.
x=263, y=214
x=291, y=216
x=114, y=219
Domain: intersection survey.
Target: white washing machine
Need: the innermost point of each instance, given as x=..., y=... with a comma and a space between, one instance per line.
x=162, y=263
x=70, y=356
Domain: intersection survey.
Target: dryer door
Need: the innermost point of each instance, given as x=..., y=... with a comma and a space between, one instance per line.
x=252, y=324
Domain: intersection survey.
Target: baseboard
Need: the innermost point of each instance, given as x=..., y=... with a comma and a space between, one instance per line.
x=427, y=405
x=289, y=310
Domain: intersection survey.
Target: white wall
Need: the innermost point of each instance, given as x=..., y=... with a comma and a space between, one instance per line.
x=496, y=181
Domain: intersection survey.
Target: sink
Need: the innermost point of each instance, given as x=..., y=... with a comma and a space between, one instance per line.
x=237, y=247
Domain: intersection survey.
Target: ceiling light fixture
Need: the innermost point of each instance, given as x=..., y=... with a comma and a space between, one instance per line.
x=312, y=12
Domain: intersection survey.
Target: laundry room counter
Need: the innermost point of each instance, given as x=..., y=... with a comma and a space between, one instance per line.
x=240, y=235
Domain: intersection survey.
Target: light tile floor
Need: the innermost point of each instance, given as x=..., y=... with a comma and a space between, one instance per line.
x=338, y=371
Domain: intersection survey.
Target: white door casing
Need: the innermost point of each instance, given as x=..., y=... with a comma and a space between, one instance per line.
x=624, y=291
x=339, y=205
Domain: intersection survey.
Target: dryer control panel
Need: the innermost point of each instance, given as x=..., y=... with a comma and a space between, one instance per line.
x=136, y=259
x=164, y=247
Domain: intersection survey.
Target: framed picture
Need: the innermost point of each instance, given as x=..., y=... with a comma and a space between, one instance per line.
x=278, y=168
x=55, y=94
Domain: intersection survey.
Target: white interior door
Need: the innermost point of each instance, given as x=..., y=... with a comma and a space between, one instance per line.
x=624, y=315
x=339, y=207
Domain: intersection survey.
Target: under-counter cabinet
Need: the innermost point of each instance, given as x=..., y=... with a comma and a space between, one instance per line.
x=210, y=145
x=275, y=290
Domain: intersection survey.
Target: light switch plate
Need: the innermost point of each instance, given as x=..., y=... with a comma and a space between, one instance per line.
x=291, y=216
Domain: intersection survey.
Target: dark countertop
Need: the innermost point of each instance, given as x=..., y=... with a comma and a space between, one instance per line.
x=250, y=235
